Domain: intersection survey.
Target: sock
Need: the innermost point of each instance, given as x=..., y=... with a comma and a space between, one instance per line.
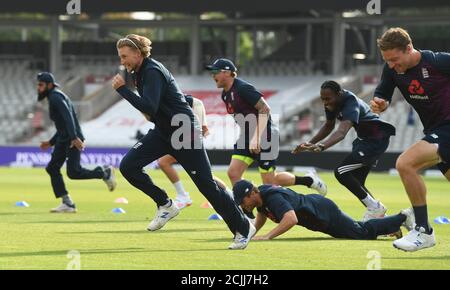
x=300, y=180
x=421, y=214
x=370, y=202
x=179, y=188
x=67, y=200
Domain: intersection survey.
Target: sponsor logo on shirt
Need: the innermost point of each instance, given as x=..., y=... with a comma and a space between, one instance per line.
x=417, y=91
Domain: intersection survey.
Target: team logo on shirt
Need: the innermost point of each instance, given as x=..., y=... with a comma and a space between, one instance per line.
x=417, y=91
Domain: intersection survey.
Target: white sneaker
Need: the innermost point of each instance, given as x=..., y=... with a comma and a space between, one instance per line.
x=111, y=180
x=318, y=183
x=416, y=240
x=183, y=201
x=410, y=221
x=376, y=213
x=163, y=215
x=240, y=242
x=64, y=208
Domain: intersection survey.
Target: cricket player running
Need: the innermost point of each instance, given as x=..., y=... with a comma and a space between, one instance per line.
x=372, y=141
x=315, y=212
x=162, y=101
x=183, y=198
x=258, y=142
x=68, y=143
x=423, y=78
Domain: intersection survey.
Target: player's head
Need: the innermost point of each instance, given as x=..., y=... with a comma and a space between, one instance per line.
x=397, y=49
x=246, y=195
x=223, y=72
x=132, y=50
x=331, y=94
x=45, y=82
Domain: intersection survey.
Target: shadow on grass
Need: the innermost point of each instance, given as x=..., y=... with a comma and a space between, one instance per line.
x=143, y=231
x=419, y=258
x=292, y=239
x=101, y=251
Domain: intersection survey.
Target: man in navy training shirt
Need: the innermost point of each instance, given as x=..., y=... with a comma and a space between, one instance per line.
x=68, y=142
x=423, y=78
x=257, y=141
x=372, y=141
x=162, y=101
x=315, y=212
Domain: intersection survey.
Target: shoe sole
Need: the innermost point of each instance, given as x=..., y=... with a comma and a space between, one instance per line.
x=163, y=224
x=410, y=251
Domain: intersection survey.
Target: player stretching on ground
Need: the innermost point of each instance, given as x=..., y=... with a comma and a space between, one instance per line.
x=423, y=78
x=312, y=211
x=243, y=100
x=162, y=101
x=183, y=199
x=372, y=141
x=68, y=142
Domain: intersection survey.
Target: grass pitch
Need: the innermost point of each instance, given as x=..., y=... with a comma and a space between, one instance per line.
x=32, y=238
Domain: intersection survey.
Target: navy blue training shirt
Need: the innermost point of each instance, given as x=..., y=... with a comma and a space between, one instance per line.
x=312, y=213
x=426, y=87
x=62, y=113
x=159, y=96
x=366, y=123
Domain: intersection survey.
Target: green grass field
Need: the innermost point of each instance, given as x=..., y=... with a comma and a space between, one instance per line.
x=32, y=238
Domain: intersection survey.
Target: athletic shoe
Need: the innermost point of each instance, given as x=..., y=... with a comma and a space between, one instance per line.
x=64, y=208
x=240, y=242
x=317, y=184
x=416, y=240
x=410, y=221
x=163, y=215
x=376, y=213
x=183, y=201
x=110, y=177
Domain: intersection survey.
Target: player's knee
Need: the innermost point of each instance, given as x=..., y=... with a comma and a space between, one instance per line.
x=51, y=169
x=403, y=164
x=233, y=176
x=73, y=173
x=124, y=168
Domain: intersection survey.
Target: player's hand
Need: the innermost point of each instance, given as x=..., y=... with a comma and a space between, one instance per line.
x=77, y=143
x=118, y=81
x=45, y=145
x=306, y=146
x=378, y=105
x=205, y=131
x=255, y=146
x=260, y=238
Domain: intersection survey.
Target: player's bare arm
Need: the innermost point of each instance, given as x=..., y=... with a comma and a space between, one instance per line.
x=263, y=112
x=324, y=131
x=287, y=222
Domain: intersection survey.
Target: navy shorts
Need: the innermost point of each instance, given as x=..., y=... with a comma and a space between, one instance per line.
x=441, y=136
x=368, y=151
x=246, y=156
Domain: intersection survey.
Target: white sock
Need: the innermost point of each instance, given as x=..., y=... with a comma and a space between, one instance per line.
x=370, y=202
x=179, y=188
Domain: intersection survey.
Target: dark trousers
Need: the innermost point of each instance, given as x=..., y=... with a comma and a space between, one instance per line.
x=196, y=163
x=343, y=226
x=352, y=172
x=60, y=153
